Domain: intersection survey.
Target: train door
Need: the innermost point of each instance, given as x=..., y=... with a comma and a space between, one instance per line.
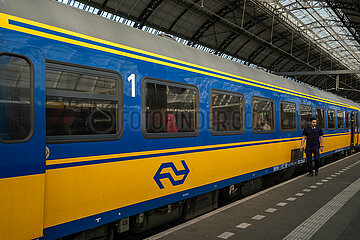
x=357, y=129
x=352, y=127
x=22, y=142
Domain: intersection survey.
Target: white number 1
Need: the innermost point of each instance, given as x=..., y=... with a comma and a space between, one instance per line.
x=131, y=79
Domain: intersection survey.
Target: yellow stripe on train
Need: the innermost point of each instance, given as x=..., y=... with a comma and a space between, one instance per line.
x=92, y=190
x=173, y=150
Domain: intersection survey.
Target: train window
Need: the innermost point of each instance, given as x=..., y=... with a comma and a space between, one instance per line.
x=331, y=118
x=288, y=116
x=81, y=103
x=340, y=119
x=226, y=112
x=305, y=115
x=169, y=109
x=320, y=115
x=262, y=115
x=16, y=98
x=347, y=120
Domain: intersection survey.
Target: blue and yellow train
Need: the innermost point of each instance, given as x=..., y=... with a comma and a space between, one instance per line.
x=100, y=122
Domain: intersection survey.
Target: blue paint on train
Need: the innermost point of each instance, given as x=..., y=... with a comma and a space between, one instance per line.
x=159, y=175
x=29, y=157
x=64, y=52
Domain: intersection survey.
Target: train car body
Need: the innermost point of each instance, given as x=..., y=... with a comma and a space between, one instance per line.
x=109, y=165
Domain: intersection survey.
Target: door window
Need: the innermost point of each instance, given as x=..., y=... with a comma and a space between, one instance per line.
x=305, y=115
x=262, y=115
x=320, y=115
x=16, y=104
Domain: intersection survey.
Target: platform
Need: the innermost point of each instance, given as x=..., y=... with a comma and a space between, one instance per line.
x=320, y=207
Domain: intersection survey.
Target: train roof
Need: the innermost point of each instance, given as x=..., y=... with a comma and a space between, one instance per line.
x=66, y=17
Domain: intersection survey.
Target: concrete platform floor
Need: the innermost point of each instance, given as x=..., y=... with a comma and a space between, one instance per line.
x=320, y=207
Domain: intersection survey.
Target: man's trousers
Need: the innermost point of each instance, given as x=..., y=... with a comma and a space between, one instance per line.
x=309, y=151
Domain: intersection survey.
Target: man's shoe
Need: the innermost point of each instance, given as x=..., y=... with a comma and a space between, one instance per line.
x=310, y=175
x=316, y=172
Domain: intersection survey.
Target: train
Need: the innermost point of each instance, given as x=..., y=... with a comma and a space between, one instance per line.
x=107, y=129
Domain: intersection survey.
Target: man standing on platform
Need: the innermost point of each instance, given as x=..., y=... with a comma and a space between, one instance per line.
x=314, y=141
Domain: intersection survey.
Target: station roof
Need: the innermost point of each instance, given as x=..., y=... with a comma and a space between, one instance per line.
x=278, y=36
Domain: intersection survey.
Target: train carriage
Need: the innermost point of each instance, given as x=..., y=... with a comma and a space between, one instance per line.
x=101, y=122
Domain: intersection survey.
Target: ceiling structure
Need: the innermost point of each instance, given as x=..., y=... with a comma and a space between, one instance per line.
x=279, y=36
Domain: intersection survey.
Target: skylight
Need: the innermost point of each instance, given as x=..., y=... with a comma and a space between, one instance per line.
x=319, y=23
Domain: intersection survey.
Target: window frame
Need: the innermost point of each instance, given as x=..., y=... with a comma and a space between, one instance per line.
x=273, y=115
x=82, y=69
x=32, y=99
x=280, y=114
x=335, y=118
x=222, y=133
x=323, y=127
x=312, y=113
x=143, y=111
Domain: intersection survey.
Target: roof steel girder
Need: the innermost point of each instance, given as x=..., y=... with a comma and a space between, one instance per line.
x=277, y=61
x=231, y=25
x=208, y=24
x=255, y=53
x=202, y=11
x=260, y=50
x=313, y=80
x=228, y=41
x=335, y=7
x=310, y=3
x=271, y=52
x=103, y=6
x=295, y=66
x=235, y=29
x=326, y=72
x=235, y=35
x=181, y=15
x=150, y=8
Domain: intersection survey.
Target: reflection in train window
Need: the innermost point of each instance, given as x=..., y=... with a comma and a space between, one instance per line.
x=227, y=112
x=320, y=115
x=347, y=120
x=80, y=116
x=331, y=118
x=262, y=115
x=288, y=116
x=170, y=109
x=305, y=115
x=80, y=82
x=81, y=103
x=15, y=98
x=340, y=119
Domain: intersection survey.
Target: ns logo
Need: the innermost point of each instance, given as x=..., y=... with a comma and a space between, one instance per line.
x=167, y=175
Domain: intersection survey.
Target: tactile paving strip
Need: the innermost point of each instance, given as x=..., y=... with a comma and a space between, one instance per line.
x=311, y=225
